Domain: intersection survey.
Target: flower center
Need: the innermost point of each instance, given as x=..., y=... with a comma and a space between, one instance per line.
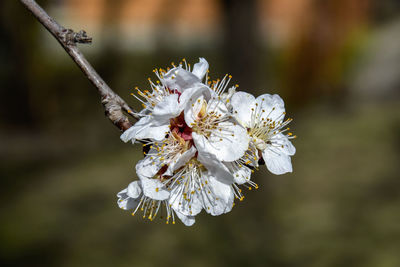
x=180, y=129
x=189, y=182
x=208, y=122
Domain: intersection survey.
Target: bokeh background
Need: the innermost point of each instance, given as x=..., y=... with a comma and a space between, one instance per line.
x=336, y=63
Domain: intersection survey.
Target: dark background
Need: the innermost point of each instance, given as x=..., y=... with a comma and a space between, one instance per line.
x=336, y=63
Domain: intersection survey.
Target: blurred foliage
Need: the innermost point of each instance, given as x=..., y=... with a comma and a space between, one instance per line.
x=61, y=162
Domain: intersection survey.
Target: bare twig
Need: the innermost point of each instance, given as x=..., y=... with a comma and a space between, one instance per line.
x=113, y=104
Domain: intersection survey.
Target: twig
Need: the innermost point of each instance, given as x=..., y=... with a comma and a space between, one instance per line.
x=113, y=104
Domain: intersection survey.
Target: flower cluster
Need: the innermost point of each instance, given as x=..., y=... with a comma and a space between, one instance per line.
x=202, y=140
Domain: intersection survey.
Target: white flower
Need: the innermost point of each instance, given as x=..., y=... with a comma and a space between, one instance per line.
x=202, y=183
x=264, y=119
x=172, y=152
x=181, y=79
x=202, y=141
x=169, y=97
x=242, y=169
x=214, y=129
x=172, y=170
x=132, y=198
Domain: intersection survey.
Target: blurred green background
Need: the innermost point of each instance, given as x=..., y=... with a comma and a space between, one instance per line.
x=336, y=63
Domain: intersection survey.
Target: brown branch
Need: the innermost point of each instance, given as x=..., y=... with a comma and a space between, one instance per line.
x=113, y=104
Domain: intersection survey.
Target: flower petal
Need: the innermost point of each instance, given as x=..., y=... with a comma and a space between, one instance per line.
x=191, y=94
x=215, y=167
x=187, y=220
x=146, y=127
x=277, y=162
x=149, y=166
x=241, y=174
x=153, y=132
x=284, y=144
x=128, y=198
x=220, y=199
x=168, y=108
x=200, y=68
x=134, y=189
x=242, y=103
x=192, y=109
x=273, y=105
x=182, y=160
x=217, y=106
x=130, y=134
x=179, y=79
x=229, y=144
x=146, y=170
x=128, y=203
x=192, y=101
x=154, y=188
x=179, y=204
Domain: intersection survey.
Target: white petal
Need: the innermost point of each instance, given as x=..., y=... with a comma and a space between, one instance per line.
x=182, y=160
x=284, y=144
x=242, y=103
x=277, y=163
x=129, y=197
x=192, y=109
x=134, y=189
x=146, y=127
x=191, y=94
x=123, y=193
x=215, y=167
x=200, y=69
x=217, y=106
x=226, y=97
x=168, y=108
x=154, y=189
x=241, y=174
x=189, y=101
x=180, y=79
x=227, y=145
x=148, y=167
x=153, y=132
x=187, y=220
x=123, y=199
x=179, y=204
x=128, y=203
x=273, y=105
x=130, y=134
x=220, y=200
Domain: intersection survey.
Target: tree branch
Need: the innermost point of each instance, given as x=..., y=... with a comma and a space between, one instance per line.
x=113, y=104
